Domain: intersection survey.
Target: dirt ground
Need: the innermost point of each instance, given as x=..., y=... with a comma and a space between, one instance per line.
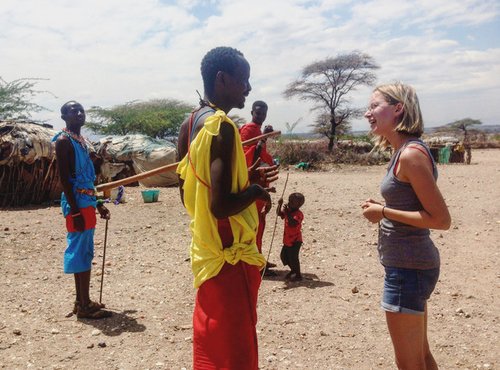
x=331, y=320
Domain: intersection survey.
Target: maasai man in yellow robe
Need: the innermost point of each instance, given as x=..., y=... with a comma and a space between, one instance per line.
x=221, y=204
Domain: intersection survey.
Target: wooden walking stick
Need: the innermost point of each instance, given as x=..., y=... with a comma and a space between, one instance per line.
x=103, y=259
x=274, y=229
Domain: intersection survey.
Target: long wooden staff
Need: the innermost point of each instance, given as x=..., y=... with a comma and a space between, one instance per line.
x=103, y=259
x=169, y=167
x=275, y=224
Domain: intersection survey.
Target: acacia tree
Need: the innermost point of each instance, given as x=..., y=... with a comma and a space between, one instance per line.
x=327, y=84
x=464, y=125
x=158, y=118
x=15, y=98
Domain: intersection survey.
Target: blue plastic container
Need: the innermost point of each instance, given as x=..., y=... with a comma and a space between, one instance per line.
x=150, y=195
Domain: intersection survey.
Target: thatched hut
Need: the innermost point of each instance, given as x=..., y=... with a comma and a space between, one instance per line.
x=446, y=149
x=28, y=173
x=128, y=155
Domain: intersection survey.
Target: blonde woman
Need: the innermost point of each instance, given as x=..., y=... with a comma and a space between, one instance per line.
x=413, y=205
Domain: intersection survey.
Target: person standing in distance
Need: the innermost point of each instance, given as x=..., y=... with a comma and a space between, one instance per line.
x=257, y=153
x=78, y=203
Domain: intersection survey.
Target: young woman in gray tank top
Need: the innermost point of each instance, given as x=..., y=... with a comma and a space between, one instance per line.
x=413, y=205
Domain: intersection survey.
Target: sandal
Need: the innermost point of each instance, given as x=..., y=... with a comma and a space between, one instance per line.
x=90, y=313
x=95, y=306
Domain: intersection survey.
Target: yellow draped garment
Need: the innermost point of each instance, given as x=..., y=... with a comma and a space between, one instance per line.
x=207, y=254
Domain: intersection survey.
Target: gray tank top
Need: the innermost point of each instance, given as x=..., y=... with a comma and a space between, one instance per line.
x=402, y=245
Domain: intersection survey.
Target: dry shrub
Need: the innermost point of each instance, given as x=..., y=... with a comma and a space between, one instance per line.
x=350, y=150
x=291, y=152
x=482, y=140
x=315, y=152
x=352, y=156
x=477, y=139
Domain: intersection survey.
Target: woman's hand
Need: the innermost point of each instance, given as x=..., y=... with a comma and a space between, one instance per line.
x=372, y=210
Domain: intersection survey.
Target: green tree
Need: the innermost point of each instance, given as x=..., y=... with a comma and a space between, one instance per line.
x=327, y=84
x=158, y=118
x=16, y=96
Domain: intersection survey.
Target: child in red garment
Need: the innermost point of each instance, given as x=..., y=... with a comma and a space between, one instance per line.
x=292, y=235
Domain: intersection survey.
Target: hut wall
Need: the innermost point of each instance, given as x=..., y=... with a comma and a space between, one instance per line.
x=25, y=183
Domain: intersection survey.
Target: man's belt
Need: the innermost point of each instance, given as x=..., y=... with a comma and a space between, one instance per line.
x=89, y=192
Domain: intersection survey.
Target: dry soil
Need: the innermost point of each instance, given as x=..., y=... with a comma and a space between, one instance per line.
x=331, y=320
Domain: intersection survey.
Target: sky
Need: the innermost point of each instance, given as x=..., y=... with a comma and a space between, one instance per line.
x=109, y=52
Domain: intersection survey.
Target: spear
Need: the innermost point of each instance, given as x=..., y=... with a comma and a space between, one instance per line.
x=275, y=224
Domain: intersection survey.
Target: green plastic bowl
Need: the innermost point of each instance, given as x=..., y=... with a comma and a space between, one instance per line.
x=150, y=195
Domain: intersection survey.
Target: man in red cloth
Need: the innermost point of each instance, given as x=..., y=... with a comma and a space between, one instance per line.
x=224, y=256
x=258, y=153
x=253, y=129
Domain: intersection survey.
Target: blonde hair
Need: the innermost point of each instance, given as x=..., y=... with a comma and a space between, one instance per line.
x=411, y=123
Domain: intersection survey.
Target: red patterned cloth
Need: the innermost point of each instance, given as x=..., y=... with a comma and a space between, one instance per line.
x=89, y=217
x=224, y=319
x=249, y=131
x=293, y=233
x=225, y=316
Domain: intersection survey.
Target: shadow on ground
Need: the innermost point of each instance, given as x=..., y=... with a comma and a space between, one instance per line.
x=120, y=322
x=308, y=280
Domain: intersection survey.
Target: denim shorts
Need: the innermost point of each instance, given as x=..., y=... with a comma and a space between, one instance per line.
x=407, y=290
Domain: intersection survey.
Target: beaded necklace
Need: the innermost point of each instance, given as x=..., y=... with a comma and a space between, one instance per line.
x=78, y=138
